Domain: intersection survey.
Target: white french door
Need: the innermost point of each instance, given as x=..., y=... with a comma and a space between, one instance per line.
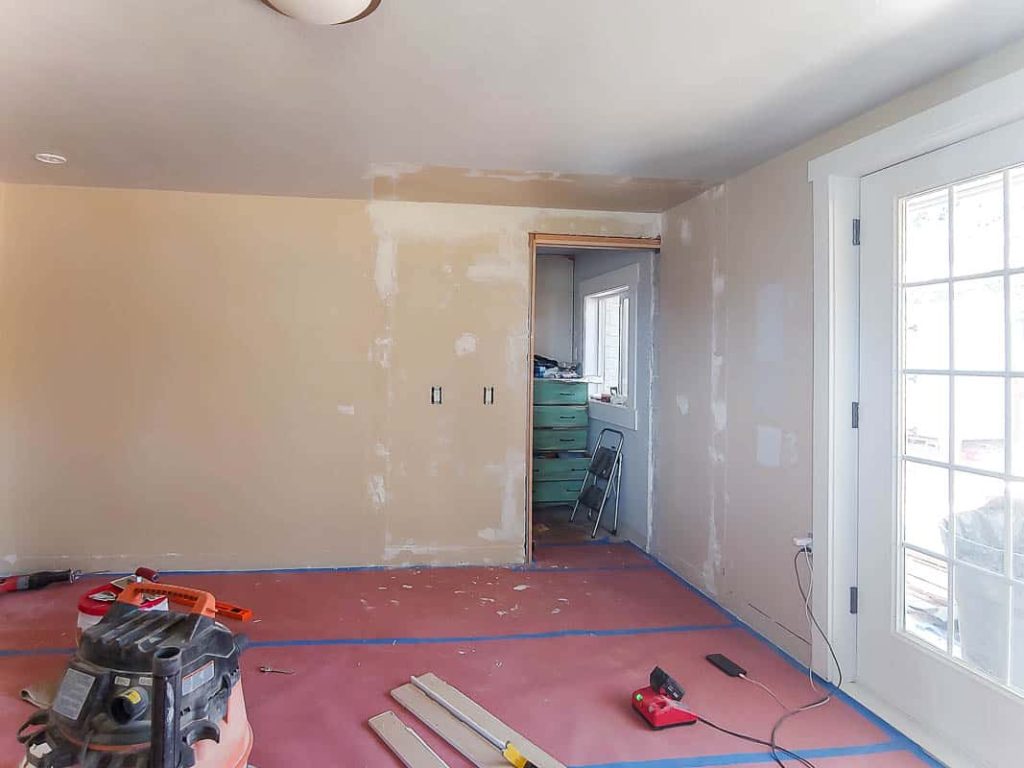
x=941, y=489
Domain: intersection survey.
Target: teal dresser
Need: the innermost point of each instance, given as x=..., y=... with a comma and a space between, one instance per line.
x=560, y=422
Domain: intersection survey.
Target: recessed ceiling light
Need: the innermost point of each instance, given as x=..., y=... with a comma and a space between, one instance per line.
x=50, y=158
x=325, y=12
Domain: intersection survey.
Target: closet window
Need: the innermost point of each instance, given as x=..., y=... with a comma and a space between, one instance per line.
x=606, y=343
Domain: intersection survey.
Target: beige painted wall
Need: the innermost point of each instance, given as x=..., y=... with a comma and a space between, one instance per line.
x=733, y=398
x=218, y=381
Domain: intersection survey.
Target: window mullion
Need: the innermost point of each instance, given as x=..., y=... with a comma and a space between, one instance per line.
x=950, y=575
x=1008, y=426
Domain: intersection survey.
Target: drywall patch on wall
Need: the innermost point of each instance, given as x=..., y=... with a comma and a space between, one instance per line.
x=504, y=266
x=718, y=449
x=685, y=231
x=465, y=344
x=380, y=352
x=714, y=560
x=511, y=474
x=393, y=171
x=683, y=403
x=377, y=491
x=385, y=270
x=346, y=410
x=790, y=449
x=517, y=350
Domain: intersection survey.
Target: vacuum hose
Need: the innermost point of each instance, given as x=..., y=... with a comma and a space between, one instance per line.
x=165, y=736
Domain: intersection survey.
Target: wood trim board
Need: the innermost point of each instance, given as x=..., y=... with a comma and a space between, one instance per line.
x=595, y=241
x=461, y=736
x=407, y=745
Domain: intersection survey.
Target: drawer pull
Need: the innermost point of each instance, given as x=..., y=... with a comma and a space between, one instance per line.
x=567, y=418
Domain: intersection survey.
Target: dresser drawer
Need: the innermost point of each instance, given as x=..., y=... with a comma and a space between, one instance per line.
x=559, y=439
x=559, y=416
x=556, y=491
x=561, y=468
x=556, y=392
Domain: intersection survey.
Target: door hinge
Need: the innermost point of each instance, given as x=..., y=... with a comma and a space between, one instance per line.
x=854, y=600
x=856, y=231
x=855, y=415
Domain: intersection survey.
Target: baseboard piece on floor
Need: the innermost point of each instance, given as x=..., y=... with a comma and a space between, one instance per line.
x=405, y=742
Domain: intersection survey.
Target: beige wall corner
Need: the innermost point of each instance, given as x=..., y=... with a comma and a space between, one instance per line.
x=733, y=402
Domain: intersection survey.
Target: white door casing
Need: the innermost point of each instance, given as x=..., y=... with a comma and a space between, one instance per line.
x=980, y=715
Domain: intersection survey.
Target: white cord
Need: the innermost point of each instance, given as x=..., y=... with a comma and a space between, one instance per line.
x=767, y=690
x=807, y=608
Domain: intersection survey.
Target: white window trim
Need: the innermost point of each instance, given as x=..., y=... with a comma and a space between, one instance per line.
x=626, y=277
x=835, y=177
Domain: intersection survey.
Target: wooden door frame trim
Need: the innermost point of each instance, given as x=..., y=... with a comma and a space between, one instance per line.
x=544, y=239
x=593, y=241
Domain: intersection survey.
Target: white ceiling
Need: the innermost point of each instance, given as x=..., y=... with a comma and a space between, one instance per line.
x=226, y=95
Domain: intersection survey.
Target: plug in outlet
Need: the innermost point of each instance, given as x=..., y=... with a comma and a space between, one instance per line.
x=803, y=542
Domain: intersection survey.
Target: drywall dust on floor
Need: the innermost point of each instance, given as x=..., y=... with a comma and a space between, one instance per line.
x=260, y=369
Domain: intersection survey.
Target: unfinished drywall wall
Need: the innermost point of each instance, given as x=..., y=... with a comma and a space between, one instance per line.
x=220, y=381
x=552, y=309
x=634, y=506
x=733, y=395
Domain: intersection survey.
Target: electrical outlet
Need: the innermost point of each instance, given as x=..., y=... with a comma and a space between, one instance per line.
x=803, y=542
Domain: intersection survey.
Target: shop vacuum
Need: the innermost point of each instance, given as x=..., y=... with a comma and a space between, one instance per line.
x=147, y=690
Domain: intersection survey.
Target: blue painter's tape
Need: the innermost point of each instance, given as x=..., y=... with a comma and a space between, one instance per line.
x=682, y=628
x=587, y=543
x=584, y=569
x=672, y=629
x=754, y=758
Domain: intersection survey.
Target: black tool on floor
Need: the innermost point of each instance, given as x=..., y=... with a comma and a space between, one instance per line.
x=665, y=684
x=37, y=580
x=727, y=665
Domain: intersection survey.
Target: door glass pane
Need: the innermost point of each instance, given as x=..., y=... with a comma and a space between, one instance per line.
x=978, y=225
x=982, y=617
x=1017, y=638
x=979, y=508
x=978, y=422
x=1017, y=217
x=926, y=237
x=925, y=609
x=1017, y=425
x=961, y=505
x=1016, y=310
x=1017, y=503
x=926, y=405
x=926, y=327
x=978, y=325
x=926, y=506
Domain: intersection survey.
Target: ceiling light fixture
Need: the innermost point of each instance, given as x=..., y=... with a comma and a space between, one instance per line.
x=325, y=12
x=50, y=158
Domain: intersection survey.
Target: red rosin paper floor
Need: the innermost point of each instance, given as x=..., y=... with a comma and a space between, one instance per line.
x=554, y=650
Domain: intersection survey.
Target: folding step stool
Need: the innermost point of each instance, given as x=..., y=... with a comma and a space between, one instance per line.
x=604, y=472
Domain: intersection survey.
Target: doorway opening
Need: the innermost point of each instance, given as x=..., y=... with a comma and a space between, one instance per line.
x=592, y=367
